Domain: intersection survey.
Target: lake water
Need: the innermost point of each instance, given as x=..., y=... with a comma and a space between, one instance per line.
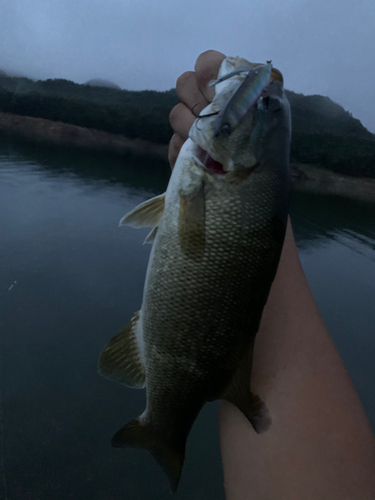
x=80, y=279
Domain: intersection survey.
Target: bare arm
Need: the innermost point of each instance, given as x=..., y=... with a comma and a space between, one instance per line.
x=320, y=445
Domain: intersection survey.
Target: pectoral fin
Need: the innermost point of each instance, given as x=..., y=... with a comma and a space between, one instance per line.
x=191, y=223
x=238, y=393
x=121, y=360
x=147, y=214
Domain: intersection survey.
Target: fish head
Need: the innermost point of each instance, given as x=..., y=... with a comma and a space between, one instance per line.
x=264, y=131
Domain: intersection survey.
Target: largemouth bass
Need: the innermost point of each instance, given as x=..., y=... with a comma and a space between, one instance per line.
x=217, y=236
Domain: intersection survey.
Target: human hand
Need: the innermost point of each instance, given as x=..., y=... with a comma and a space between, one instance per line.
x=192, y=90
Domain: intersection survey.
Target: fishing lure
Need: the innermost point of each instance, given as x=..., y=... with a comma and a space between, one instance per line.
x=199, y=117
x=243, y=100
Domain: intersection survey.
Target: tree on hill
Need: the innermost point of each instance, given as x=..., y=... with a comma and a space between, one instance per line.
x=99, y=82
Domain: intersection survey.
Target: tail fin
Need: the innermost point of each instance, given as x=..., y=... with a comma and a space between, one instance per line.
x=169, y=455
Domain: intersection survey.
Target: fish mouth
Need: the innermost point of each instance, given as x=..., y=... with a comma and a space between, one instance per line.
x=212, y=166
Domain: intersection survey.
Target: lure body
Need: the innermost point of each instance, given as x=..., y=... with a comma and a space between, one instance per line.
x=242, y=101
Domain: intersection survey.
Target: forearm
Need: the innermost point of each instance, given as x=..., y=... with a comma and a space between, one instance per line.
x=320, y=445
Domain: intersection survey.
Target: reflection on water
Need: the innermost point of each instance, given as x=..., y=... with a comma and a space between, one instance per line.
x=318, y=218
x=336, y=239
x=80, y=279
x=136, y=172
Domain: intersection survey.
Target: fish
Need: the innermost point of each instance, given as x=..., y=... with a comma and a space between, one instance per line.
x=217, y=235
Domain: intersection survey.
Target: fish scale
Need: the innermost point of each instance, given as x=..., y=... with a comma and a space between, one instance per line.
x=217, y=240
x=219, y=283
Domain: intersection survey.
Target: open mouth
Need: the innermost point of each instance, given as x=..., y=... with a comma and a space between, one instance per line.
x=212, y=166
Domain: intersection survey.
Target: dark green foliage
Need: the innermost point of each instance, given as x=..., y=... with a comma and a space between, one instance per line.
x=99, y=82
x=340, y=154
x=141, y=114
x=316, y=114
x=323, y=132
x=89, y=94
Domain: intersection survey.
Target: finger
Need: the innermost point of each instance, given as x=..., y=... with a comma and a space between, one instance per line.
x=188, y=92
x=206, y=70
x=175, y=144
x=181, y=120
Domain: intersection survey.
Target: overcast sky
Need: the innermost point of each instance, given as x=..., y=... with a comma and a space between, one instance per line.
x=321, y=46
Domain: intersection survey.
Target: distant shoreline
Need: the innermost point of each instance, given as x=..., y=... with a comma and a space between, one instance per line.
x=41, y=130
x=311, y=178
x=305, y=177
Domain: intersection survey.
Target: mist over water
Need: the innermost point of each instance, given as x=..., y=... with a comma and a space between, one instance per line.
x=80, y=279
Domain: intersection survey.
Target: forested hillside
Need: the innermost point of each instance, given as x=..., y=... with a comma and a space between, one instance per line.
x=323, y=132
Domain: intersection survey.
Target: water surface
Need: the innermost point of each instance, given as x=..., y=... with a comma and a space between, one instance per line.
x=80, y=279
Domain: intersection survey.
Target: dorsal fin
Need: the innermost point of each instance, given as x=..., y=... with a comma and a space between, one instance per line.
x=121, y=359
x=147, y=214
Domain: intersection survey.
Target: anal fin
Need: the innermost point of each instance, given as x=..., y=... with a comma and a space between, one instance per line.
x=238, y=393
x=121, y=360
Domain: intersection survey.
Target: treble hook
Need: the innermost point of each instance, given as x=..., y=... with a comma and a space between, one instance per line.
x=202, y=116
